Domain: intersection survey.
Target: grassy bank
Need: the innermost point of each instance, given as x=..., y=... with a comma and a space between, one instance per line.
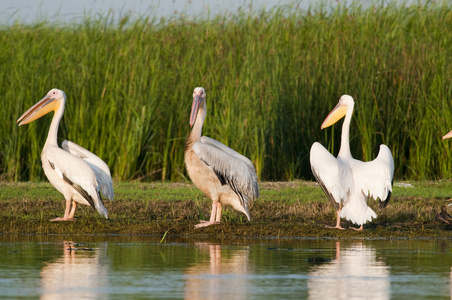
x=285, y=209
x=271, y=78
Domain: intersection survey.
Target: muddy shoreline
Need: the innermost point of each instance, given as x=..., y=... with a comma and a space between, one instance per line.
x=284, y=210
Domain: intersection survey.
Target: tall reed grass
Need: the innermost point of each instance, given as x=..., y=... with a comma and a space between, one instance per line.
x=270, y=77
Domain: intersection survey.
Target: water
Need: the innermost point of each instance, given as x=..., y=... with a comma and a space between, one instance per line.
x=139, y=267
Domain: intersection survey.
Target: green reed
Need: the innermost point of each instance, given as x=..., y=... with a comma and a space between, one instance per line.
x=270, y=77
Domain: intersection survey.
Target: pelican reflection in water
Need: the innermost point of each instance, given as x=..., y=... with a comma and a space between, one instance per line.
x=354, y=274
x=221, y=276
x=78, y=274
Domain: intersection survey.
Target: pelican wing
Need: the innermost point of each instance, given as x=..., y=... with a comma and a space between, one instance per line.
x=230, y=167
x=331, y=174
x=77, y=173
x=217, y=144
x=100, y=168
x=375, y=177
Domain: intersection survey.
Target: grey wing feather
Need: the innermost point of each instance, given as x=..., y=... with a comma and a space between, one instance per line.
x=384, y=203
x=80, y=190
x=99, y=167
x=230, y=168
x=217, y=144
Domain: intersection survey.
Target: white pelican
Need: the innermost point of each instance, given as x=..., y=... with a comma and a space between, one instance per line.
x=348, y=182
x=224, y=175
x=75, y=172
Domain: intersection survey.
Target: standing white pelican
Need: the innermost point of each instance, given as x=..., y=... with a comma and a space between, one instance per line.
x=348, y=182
x=75, y=172
x=224, y=175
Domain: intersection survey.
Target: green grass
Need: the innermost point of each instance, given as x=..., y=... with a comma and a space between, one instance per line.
x=285, y=209
x=270, y=77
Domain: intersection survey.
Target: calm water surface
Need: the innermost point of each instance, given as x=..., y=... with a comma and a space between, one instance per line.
x=140, y=267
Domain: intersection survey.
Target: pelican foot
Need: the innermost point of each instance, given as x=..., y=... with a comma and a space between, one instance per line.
x=62, y=219
x=205, y=224
x=357, y=229
x=440, y=218
x=444, y=214
x=335, y=227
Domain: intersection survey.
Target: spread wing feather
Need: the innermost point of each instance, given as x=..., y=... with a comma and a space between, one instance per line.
x=230, y=167
x=375, y=177
x=99, y=167
x=337, y=179
x=331, y=174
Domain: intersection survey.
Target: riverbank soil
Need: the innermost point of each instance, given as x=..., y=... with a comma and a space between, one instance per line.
x=296, y=209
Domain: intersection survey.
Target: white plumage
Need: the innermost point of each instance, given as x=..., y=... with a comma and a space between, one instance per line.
x=75, y=172
x=348, y=182
x=99, y=167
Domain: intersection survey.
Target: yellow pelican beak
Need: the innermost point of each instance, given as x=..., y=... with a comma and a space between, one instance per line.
x=44, y=106
x=197, y=100
x=335, y=115
x=449, y=135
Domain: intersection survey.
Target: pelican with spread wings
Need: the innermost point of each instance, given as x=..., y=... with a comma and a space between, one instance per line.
x=348, y=182
x=221, y=173
x=78, y=174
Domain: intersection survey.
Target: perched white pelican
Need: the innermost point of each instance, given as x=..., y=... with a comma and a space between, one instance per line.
x=348, y=182
x=224, y=175
x=75, y=172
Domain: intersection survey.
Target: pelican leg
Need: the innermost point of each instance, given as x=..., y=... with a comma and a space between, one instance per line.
x=72, y=213
x=212, y=216
x=66, y=212
x=218, y=215
x=338, y=221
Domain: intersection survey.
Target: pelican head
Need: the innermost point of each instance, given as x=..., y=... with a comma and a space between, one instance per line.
x=51, y=102
x=449, y=135
x=199, y=97
x=339, y=111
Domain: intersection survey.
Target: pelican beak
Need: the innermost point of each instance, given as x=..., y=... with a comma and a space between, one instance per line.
x=449, y=135
x=44, y=106
x=335, y=115
x=197, y=100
